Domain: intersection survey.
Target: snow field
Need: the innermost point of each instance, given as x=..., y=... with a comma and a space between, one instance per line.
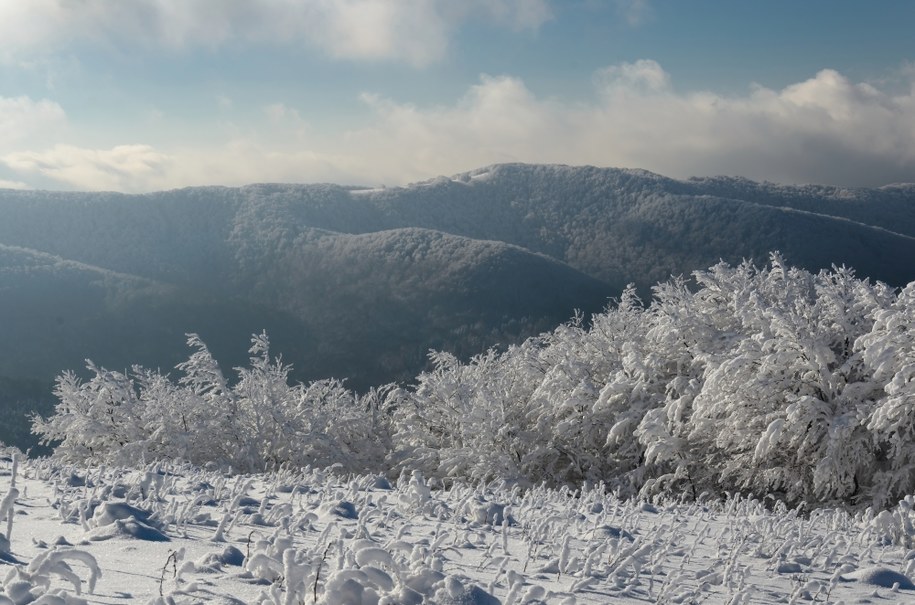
x=179, y=534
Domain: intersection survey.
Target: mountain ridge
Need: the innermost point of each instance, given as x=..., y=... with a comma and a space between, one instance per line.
x=361, y=282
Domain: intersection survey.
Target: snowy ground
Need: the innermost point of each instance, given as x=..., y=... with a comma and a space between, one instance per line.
x=304, y=537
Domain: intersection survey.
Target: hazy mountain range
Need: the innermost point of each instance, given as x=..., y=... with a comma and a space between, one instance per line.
x=360, y=283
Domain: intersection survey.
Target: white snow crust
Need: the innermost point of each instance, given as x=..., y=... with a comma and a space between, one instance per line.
x=311, y=536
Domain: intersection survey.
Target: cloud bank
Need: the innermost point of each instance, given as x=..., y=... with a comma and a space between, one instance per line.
x=826, y=129
x=123, y=168
x=415, y=31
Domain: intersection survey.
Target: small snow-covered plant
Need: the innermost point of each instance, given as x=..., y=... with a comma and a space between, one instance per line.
x=6, y=506
x=35, y=581
x=7, y=513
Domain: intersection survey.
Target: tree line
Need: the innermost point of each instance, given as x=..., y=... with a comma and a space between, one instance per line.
x=767, y=381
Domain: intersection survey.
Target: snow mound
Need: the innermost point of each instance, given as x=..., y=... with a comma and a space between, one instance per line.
x=127, y=528
x=608, y=531
x=489, y=513
x=381, y=482
x=229, y=556
x=880, y=576
x=342, y=509
x=457, y=590
x=788, y=567
x=110, y=512
x=75, y=480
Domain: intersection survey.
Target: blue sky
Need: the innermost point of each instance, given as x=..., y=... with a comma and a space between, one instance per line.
x=156, y=94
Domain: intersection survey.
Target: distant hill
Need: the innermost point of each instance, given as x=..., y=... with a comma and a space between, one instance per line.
x=360, y=283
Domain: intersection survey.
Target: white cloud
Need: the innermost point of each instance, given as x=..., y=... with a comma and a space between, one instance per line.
x=498, y=120
x=22, y=118
x=415, y=31
x=140, y=168
x=516, y=15
x=246, y=160
x=224, y=103
x=4, y=184
x=635, y=12
x=284, y=124
x=280, y=112
x=122, y=168
x=825, y=129
x=643, y=76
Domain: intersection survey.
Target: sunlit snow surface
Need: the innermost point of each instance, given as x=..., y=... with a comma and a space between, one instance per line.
x=124, y=536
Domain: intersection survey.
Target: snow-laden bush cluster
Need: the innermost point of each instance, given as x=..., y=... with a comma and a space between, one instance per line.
x=763, y=381
x=258, y=422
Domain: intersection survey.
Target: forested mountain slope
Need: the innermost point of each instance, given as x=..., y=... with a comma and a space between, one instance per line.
x=635, y=226
x=360, y=283
x=630, y=225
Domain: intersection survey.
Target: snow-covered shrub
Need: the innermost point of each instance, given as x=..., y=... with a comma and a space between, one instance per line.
x=259, y=422
x=462, y=420
x=781, y=410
